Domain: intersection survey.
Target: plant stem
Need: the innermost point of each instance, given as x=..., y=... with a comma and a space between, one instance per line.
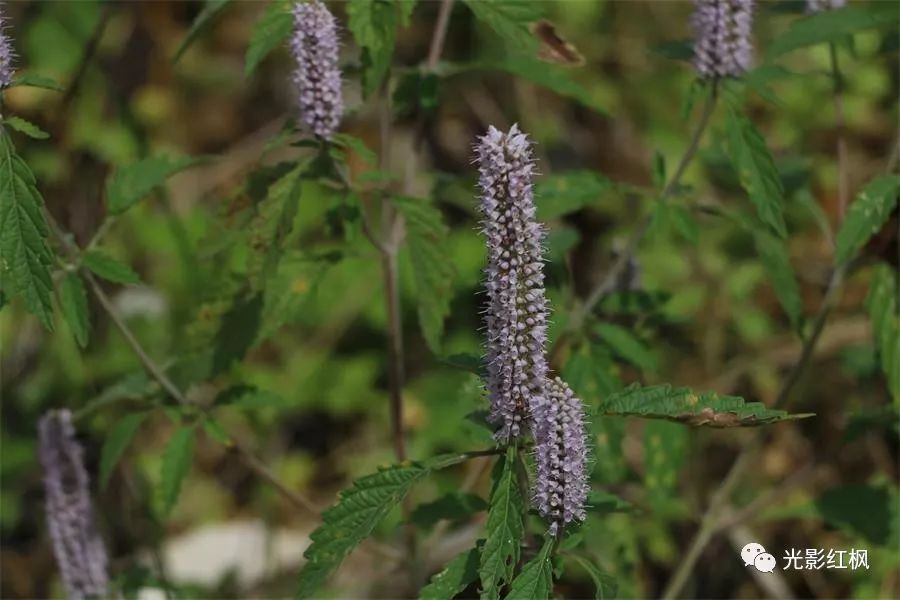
x=840, y=123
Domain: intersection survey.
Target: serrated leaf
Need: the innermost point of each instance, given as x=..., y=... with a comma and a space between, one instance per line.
x=454, y=578
x=626, y=345
x=510, y=20
x=535, y=582
x=504, y=528
x=683, y=405
x=74, y=306
x=25, y=258
x=434, y=275
x=373, y=24
x=105, y=266
x=883, y=306
x=452, y=506
x=38, y=81
x=773, y=253
x=357, y=145
x=756, y=170
x=564, y=193
x=833, y=26
x=117, y=441
x=204, y=19
x=269, y=32
x=176, y=463
x=130, y=184
x=866, y=216
x=605, y=586
x=358, y=511
x=26, y=127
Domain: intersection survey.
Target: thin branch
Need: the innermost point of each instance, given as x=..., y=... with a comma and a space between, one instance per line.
x=840, y=124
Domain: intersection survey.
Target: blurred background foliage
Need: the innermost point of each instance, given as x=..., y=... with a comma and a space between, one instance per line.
x=306, y=365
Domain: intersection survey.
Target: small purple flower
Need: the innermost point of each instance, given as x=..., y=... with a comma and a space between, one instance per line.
x=560, y=452
x=517, y=308
x=814, y=6
x=317, y=77
x=6, y=54
x=722, y=47
x=79, y=550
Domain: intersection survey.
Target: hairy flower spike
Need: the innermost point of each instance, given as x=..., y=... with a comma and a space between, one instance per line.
x=517, y=307
x=722, y=47
x=79, y=550
x=561, y=487
x=6, y=54
x=814, y=6
x=317, y=78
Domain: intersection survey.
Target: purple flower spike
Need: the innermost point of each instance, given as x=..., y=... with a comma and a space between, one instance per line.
x=6, y=54
x=79, y=550
x=814, y=6
x=561, y=486
x=722, y=47
x=517, y=311
x=317, y=78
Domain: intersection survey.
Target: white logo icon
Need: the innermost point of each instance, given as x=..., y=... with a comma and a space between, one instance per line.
x=755, y=555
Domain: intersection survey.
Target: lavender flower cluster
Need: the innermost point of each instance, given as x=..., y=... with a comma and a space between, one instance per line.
x=517, y=382
x=317, y=77
x=814, y=6
x=79, y=550
x=722, y=47
x=6, y=54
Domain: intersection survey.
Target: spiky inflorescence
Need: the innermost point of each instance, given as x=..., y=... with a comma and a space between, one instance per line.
x=722, y=47
x=6, y=54
x=79, y=550
x=517, y=308
x=814, y=6
x=317, y=77
x=560, y=453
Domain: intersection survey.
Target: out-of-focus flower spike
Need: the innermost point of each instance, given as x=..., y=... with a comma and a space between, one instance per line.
x=814, y=6
x=317, y=78
x=722, y=45
x=6, y=53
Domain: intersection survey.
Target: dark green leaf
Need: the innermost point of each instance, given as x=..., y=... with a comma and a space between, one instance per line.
x=117, y=441
x=691, y=408
x=434, y=275
x=176, y=462
x=37, y=81
x=773, y=253
x=510, y=20
x=269, y=32
x=605, y=586
x=756, y=170
x=535, y=582
x=454, y=578
x=860, y=508
x=504, y=529
x=74, y=307
x=134, y=386
x=466, y=362
x=249, y=397
x=866, y=215
x=452, y=506
x=132, y=183
x=26, y=258
x=626, y=345
x=357, y=145
x=373, y=24
x=26, y=127
x=834, y=25
x=675, y=49
x=107, y=267
x=204, y=19
x=883, y=306
x=565, y=193
x=237, y=331
x=602, y=503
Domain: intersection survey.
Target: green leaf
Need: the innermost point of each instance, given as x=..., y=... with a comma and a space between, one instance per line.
x=26, y=127
x=602, y=503
x=358, y=511
x=625, y=344
x=130, y=184
x=452, y=506
x=105, y=266
x=565, y=193
x=859, y=508
x=176, y=462
x=510, y=20
x=133, y=386
x=665, y=450
x=535, y=582
x=866, y=216
x=504, y=529
x=883, y=306
x=214, y=430
x=248, y=397
x=117, y=441
x=833, y=26
x=434, y=275
x=773, y=253
x=269, y=32
x=26, y=258
x=38, y=81
x=207, y=15
x=686, y=406
x=373, y=24
x=74, y=306
x=345, y=140
x=237, y=331
x=454, y=578
x=756, y=170
x=605, y=586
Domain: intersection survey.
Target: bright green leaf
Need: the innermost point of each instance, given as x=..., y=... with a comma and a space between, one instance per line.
x=831, y=26
x=107, y=267
x=130, y=184
x=454, y=578
x=26, y=127
x=117, y=441
x=176, y=462
x=866, y=215
x=269, y=32
x=504, y=529
x=535, y=582
x=74, y=307
x=373, y=24
x=37, y=81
